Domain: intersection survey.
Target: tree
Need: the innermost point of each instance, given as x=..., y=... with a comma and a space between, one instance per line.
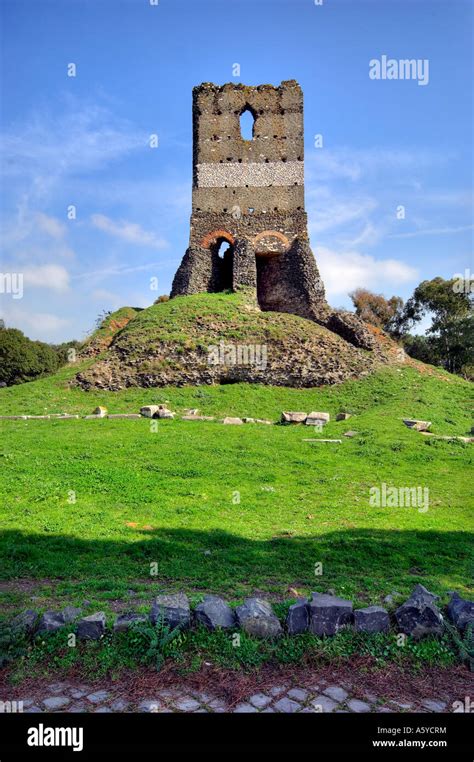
x=452, y=329
x=22, y=359
x=376, y=309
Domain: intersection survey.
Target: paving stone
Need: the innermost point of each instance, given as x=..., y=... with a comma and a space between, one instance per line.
x=260, y=700
x=358, y=706
x=217, y=705
x=187, y=704
x=103, y=710
x=277, y=690
x=58, y=687
x=336, y=693
x=78, y=694
x=244, y=708
x=385, y=710
x=33, y=710
x=268, y=710
x=56, y=702
x=433, y=705
x=119, y=705
x=78, y=707
x=323, y=704
x=299, y=694
x=403, y=705
x=287, y=705
x=98, y=697
x=150, y=705
x=27, y=702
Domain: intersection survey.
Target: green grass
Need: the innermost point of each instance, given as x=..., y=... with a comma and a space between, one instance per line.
x=299, y=503
x=148, y=646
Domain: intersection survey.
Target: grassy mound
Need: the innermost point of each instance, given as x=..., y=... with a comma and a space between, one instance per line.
x=169, y=343
x=103, y=336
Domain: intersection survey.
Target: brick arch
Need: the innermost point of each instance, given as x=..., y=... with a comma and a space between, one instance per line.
x=273, y=233
x=214, y=236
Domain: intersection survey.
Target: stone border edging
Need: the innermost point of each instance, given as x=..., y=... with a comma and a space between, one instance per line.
x=323, y=615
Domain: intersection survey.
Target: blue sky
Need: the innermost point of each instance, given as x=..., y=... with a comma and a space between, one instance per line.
x=83, y=141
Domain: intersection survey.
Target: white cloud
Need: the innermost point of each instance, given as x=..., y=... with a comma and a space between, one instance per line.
x=342, y=272
x=54, y=277
x=50, y=225
x=128, y=231
x=43, y=326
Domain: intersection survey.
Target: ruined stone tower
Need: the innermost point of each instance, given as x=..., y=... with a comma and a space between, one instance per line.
x=248, y=221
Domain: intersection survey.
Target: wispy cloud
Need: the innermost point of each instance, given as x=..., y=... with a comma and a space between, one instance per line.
x=54, y=277
x=434, y=231
x=128, y=231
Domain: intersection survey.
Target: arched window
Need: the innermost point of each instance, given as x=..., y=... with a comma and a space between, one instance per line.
x=223, y=246
x=247, y=121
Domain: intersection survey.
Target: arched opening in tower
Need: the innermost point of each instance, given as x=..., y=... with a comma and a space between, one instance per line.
x=270, y=287
x=247, y=121
x=222, y=253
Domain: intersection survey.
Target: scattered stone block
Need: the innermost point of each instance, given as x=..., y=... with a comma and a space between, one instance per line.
x=351, y=433
x=417, y=425
x=13, y=417
x=328, y=614
x=100, y=411
x=419, y=616
x=125, y=621
x=371, y=619
x=156, y=411
x=232, y=421
x=460, y=611
x=317, y=419
x=255, y=616
x=192, y=417
x=66, y=417
x=248, y=420
x=124, y=415
x=214, y=613
x=297, y=620
x=343, y=416
x=264, y=421
x=173, y=610
x=291, y=417
x=91, y=627
x=40, y=417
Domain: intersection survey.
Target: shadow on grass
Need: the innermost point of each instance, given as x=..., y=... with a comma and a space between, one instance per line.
x=353, y=559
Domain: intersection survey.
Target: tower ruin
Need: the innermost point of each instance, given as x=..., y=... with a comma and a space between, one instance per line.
x=248, y=221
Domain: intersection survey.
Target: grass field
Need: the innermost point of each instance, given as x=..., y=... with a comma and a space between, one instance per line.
x=88, y=506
